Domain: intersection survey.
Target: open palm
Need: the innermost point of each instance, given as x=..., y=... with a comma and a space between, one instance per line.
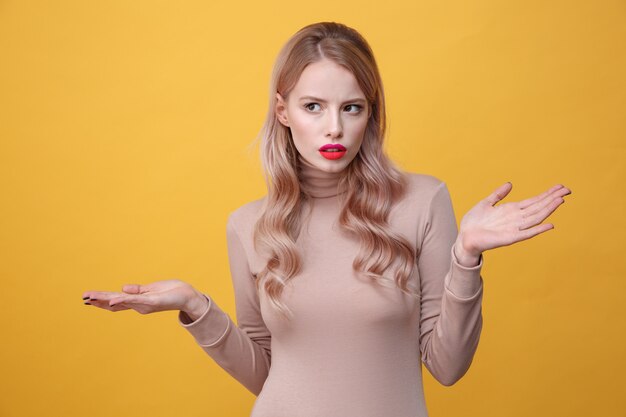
x=488, y=226
x=164, y=295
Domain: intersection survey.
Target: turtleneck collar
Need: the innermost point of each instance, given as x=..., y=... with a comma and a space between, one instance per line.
x=317, y=183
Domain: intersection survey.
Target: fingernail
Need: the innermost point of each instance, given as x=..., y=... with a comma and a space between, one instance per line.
x=93, y=299
x=87, y=304
x=84, y=298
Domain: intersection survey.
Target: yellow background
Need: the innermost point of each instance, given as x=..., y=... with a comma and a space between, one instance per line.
x=124, y=128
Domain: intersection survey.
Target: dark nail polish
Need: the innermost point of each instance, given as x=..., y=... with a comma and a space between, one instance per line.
x=84, y=298
x=94, y=299
x=87, y=304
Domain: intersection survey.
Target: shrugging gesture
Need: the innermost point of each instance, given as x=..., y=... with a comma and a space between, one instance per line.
x=489, y=226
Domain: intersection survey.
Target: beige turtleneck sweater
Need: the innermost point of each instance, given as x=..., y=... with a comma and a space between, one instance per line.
x=353, y=348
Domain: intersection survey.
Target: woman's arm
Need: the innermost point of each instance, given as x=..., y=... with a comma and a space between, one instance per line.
x=244, y=351
x=451, y=284
x=450, y=308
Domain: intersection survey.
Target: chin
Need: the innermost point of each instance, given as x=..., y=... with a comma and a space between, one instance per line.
x=335, y=166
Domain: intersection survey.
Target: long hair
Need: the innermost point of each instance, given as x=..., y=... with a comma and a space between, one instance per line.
x=372, y=181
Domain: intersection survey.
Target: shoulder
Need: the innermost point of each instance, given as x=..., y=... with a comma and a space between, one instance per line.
x=424, y=198
x=424, y=187
x=244, y=217
x=423, y=193
x=240, y=232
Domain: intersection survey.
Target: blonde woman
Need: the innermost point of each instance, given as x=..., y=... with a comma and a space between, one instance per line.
x=349, y=274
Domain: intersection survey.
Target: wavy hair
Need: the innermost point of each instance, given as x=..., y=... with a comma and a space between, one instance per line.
x=372, y=181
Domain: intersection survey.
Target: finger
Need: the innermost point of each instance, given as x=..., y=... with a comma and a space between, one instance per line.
x=131, y=299
x=529, y=201
x=87, y=294
x=534, y=231
x=540, y=205
x=499, y=193
x=104, y=304
x=542, y=214
x=100, y=295
x=143, y=306
x=133, y=289
x=118, y=307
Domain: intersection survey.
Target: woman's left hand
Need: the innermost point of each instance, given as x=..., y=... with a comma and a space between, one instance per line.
x=487, y=226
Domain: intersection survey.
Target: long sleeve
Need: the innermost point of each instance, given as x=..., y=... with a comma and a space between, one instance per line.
x=451, y=316
x=244, y=350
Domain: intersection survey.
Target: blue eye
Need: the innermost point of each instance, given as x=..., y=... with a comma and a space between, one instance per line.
x=311, y=106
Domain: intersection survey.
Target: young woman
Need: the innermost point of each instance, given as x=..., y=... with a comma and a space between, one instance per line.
x=349, y=274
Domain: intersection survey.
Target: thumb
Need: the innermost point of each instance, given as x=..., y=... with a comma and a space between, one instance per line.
x=133, y=289
x=501, y=192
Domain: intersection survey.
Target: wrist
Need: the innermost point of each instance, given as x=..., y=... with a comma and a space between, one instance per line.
x=196, y=306
x=465, y=257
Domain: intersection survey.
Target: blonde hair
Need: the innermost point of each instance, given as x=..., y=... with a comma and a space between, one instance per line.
x=372, y=181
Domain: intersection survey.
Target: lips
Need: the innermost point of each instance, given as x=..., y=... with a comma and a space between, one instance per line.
x=332, y=146
x=332, y=151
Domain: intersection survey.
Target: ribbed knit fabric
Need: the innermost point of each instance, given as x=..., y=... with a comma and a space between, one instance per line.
x=353, y=348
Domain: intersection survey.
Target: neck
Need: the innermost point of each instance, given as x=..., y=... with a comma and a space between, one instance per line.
x=317, y=183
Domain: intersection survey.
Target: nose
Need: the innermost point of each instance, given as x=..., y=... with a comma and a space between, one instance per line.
x=335, y=126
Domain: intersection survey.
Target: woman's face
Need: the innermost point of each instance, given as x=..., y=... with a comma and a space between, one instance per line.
x=326, y=108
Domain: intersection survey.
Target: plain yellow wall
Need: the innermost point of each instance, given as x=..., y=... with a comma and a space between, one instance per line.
x=124, y=128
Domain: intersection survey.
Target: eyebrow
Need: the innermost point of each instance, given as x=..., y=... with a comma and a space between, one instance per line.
x=357, y=100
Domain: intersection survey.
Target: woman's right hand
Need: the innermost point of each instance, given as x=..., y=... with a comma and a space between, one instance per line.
x=164, y=295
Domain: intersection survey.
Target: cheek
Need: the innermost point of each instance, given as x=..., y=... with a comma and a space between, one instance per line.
x=358, y=129
x=302, y=127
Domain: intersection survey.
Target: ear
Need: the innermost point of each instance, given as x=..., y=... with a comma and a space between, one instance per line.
x=281, y=110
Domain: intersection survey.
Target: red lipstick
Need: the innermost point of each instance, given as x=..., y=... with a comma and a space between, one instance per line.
x=332, y=151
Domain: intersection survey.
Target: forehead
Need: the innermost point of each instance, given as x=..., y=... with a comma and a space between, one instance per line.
x=328, y=80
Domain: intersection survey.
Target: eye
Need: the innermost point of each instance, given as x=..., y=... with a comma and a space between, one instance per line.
x=311, y=106
x=353, y=108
